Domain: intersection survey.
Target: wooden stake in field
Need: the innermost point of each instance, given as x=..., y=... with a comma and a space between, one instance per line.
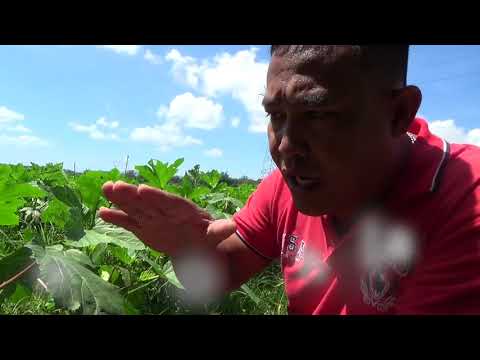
x=126, y=165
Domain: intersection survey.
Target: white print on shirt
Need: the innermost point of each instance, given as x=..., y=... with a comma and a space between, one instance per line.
x=291, y=248
x=289, y=244
x=300, y=252
x=292, y=243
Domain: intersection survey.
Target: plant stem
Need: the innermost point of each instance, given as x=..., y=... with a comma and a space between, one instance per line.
x=16, y=276
x=142, y=286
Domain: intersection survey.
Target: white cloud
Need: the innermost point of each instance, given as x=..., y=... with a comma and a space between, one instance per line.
x=184, y=111
x=152, y=58
x=214, y=152
x=22, y=140
x=185, y=68
x=9, y=123
x=9, y=116
x=108, y=124
x=97, y=131
x=238, y=75
x=19, y=128
x=166, y=136
x=453, y=133
x=193, y=112
x=123, y=49
x=235, y=122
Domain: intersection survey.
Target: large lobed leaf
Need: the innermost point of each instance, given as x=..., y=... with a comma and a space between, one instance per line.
x=104, y=233
x=158, y=173
x=74, y=286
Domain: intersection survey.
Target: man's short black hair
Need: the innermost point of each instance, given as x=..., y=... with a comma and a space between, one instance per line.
x=390, y=62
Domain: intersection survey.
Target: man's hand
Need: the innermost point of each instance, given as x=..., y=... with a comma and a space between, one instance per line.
x=163, y=221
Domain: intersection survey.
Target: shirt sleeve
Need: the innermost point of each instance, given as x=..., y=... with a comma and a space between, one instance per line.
x=448, y=279
x=255, y=224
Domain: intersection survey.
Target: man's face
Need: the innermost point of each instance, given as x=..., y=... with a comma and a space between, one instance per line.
x=329, y=131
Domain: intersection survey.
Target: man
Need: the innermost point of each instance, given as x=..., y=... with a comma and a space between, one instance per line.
x=368, y=212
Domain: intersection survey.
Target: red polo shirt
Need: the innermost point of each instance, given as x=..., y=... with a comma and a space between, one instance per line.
x=437, y=198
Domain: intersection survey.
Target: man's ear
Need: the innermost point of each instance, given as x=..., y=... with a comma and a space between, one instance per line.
x=405, y=106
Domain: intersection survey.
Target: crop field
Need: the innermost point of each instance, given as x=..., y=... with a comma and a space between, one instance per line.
x=58, y=257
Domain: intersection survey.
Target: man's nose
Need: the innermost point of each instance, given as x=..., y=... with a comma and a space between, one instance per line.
x=293, y=139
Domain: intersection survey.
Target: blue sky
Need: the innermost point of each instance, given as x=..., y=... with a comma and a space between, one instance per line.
x=95, y=105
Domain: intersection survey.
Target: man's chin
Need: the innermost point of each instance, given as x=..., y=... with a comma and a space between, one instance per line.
x=307, y=208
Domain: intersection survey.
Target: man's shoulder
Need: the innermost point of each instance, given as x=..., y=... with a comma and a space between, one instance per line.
x=457, y=200
x=462, y=170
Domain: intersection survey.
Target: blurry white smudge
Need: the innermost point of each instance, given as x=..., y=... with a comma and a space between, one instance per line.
x=400, y=247
x=383, y=243
x=314, y=266
x=202, y=277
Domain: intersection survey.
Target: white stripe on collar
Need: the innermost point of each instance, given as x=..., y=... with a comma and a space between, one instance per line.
x=441, y=164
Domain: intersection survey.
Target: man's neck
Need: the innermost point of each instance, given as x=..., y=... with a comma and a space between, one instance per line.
x=343, y=222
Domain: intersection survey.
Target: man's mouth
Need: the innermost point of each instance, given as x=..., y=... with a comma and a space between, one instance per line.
x=303, y=183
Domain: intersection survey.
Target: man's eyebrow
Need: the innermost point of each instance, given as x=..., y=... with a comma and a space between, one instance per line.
x=311, y=100
x=269, y=101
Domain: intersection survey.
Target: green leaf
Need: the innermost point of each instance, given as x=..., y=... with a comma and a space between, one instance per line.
x=105, y=272
x=20, y=174
x=149, y=175
x=56, y=213
x=170, y=275
x=130, y=309
x=212, y=178
x=215, y=198
x=98, y=253
x=198, y=193
x=158, y=173
x=5, y=171
x=114, y=276
x=12, y=198
x=214, y=212
x=147, y=275
x=187, y=187
x=126, y=277
x=50, y=174
x=155, y=254
x=104, y=233
x=28, y=235
x=75, y=287
x=8, y=216
x=21, y=292
x=13, y=191
x=58, y=247
x=90, y=186
x=251, y=294
x=80, y=257
x=122, y=254
x=66, y=195
x=74, y=226
x=166, y=272
x=173, y=189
